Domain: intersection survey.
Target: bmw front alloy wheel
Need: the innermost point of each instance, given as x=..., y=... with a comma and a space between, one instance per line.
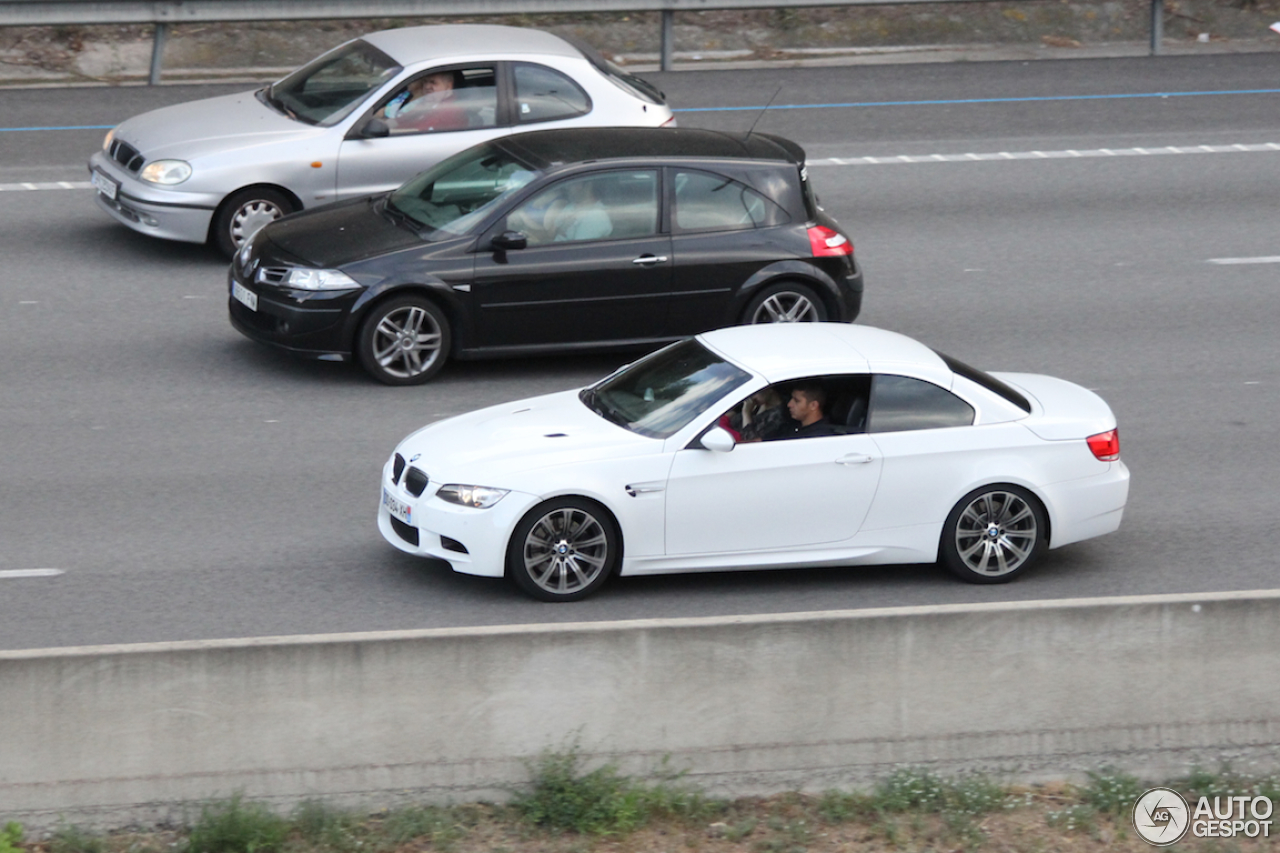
x=563, y=550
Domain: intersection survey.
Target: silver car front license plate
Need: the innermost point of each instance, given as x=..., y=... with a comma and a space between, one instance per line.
x=104, y=185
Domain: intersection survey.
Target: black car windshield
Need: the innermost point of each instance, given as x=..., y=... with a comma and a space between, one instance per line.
x=449, y=199
x=329, y=87
x=660, y=394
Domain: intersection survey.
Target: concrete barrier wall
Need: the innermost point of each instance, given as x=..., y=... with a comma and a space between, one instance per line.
x=111, y=735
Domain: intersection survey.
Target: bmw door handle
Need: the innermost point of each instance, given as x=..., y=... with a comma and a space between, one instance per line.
x=650, y=260
x=854, y=459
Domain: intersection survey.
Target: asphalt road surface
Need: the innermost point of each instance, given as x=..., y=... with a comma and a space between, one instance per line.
x=1112, y=222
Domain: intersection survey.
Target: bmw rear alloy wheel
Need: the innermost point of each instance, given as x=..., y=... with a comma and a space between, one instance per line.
x=563, y=550
x=994, y=534
x=787, y=302
x=404, y=341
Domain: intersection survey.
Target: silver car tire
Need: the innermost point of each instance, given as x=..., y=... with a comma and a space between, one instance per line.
x=785, y=302
x=563, y=550
x=242, y=213
x=994, y=534
x=404, y=341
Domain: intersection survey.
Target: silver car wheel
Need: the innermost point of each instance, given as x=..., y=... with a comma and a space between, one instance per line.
x=251, y=216
x=565, y=551
x=996, y=534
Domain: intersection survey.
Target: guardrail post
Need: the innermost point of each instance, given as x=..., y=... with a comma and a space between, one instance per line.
x=157, y=53
x=1157, y=26
x=668, y=37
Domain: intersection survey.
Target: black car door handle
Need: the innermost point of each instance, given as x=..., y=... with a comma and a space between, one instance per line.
x=650, y=260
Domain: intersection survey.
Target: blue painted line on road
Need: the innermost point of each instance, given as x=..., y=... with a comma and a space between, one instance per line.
x=1047, y=98
x=58, y=127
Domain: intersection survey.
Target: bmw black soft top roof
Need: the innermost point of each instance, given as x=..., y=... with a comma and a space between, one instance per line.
x=549, y=148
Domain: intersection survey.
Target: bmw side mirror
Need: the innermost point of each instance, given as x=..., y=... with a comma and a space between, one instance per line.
x=375, y=127
x=719, y=440
x=508, y=241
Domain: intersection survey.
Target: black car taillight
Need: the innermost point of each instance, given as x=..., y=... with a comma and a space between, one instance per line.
x=827, y=242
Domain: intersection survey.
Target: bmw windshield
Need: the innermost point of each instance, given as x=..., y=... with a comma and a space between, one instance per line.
x=659, y=395
x=449, y=199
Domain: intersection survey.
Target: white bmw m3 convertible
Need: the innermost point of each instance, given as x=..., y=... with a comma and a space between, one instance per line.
x=770, y=446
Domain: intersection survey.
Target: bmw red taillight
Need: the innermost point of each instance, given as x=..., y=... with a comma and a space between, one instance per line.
x=827, y=242
x=1105, y=445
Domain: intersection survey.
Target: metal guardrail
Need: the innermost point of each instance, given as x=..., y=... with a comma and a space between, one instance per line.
x=163, y=13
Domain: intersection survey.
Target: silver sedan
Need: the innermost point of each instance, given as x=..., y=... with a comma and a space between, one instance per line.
x=358, y=120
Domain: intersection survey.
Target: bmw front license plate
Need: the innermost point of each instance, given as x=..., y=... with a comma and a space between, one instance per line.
x=244, y=296
x=398, y=509
x=105, y=185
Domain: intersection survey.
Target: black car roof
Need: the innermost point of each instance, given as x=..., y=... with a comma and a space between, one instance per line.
x=548, y=148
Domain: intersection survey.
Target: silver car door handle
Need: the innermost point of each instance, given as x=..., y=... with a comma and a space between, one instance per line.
x=854, y=459
x=650, y=260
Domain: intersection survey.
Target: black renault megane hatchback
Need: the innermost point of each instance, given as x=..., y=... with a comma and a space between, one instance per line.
x=555, y=240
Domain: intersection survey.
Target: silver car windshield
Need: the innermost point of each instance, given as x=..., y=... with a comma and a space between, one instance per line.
x=328, y=88
x=450, y=198
x=659, y=395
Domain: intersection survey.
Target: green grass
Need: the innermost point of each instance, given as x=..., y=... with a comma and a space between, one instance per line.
x=10, y=837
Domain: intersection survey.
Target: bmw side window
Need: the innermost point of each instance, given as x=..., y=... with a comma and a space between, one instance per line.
x=900, y=403
x=708, y=202
x=543, y=94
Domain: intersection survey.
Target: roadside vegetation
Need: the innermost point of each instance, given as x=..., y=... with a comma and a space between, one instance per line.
x=566, y=808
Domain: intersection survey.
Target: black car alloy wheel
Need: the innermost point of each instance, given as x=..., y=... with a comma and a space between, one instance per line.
x=404, y=341
x=785, y=302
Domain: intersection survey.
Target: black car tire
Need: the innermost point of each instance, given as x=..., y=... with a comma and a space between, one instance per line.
x=994, y=534
x=785, y=302
x=404, y=341
x=242, y=213
x=563, y=550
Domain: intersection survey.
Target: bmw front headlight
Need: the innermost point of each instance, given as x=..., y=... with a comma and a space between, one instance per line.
x=166, y=172
x=477, y=497
x=301, y=278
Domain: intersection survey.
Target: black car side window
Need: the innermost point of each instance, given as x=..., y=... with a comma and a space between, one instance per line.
x=600, y=206
x=543, y=94
x=901, y=403
x=708, y=202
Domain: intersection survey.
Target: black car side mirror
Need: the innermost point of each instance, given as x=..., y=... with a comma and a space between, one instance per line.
x=375, y=127
x=509, y=240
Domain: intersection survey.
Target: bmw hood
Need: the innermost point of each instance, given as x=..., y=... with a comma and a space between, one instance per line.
x=333, y=235
x=210, y=126
x=491, y=446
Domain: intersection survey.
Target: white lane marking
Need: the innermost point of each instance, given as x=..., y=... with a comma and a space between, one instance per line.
x=27, y=186
x=29, y=573
x=1070, y=153
x=1266, y=259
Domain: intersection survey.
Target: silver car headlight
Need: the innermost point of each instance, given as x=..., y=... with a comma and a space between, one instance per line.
x=301, y=278
x=477, y=497
x=166, y=172
x=106, y=140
